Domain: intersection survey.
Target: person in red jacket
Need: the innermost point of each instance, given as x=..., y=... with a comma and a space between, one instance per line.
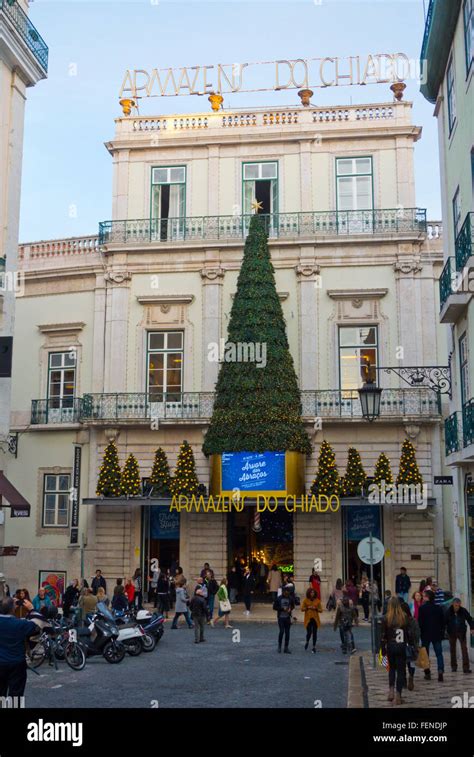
x=130, y=590
x=315, y=582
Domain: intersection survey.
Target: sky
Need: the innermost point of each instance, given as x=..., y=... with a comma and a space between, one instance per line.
x=67, y=171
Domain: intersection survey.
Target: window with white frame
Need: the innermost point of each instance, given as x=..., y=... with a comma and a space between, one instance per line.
x=165, y=366
x=260, y=184
x=451, y=90
x=56, y=496
x=469, y=32
x=354, y=183
x=457, y=213
x=168, y=201
x=358, y=356
x=61, y=379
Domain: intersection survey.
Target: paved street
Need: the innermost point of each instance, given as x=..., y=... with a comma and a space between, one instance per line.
x=223, y=672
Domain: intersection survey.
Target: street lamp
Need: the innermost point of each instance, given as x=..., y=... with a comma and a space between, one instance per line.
x=370, y=396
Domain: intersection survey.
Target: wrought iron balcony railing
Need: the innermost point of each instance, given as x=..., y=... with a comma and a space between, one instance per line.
x=452, y=433
x=468, y=422
x=55, y=410
x=446, y=281
x=464, y=246
x=330, y=223
x=27, y=31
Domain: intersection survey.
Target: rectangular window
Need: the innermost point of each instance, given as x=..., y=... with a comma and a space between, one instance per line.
x=61, y=380
x=469, y=32
x=464, y=368
x=358, y=356
x=354, y=183
x=168, y=202
x=457, y=213
x=165, y=366
x=451, y=87
x=56, y=492
x=260, y=184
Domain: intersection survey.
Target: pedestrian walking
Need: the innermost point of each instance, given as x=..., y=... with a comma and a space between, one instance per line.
x=198, y=607
x=364, y=595
x=71, y=597
x=102, y=596
x=394, y=640
x=182, y=606
x=412, y=647
x=97, y=581
x=432, y=624
x=402, y=584
x=457, y=621
x=87, y=603
x=312, y=608
x=438, y=593
x=129, y=590
x=224, y=605
x=138, y=586
x=248, y=586
x=344, y=620
x=212, y=589
x=274, y=581
x=204, y=570
x=352, y=593
x=119, y=600
x=162, y=601
x=233, y=584
x=284, y=606
x=315, y=582
x=415, y=604
x=13, y=634
x=337, y=592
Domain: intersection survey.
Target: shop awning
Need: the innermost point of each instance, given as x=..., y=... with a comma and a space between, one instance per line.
x=20, y=508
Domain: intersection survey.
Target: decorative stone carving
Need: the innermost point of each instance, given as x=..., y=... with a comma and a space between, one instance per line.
x=407, y=266
x=118, y=277
x=412, y=430
x=112, y=434
x=357, y=302
x=306, y=270
x=212, y=274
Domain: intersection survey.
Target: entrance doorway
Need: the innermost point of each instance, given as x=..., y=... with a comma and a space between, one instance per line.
x=358, y=522
x=273, y=543
x=160, y=538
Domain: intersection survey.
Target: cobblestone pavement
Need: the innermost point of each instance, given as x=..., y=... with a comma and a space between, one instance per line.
x=369, y=687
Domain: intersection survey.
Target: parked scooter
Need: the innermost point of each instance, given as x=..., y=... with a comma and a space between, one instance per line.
x=131, y=634
x=101, y=637
x=152, y=624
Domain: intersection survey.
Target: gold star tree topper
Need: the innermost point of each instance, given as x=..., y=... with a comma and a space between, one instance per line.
x=256, y=206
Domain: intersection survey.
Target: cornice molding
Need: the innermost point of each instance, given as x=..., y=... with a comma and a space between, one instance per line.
x=61, y=328
x=357, y=294
x=165, y=299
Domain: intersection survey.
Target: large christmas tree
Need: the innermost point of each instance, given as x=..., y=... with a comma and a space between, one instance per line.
x=108, y=484
x=352, y=483
x=257, y=406
x=130, y=482
x=160, y=478
x=185, y=480
x=327, y=477
x=409, y=472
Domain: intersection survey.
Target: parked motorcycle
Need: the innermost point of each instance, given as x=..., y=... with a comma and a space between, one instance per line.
x=101, y=637
x=131, y=634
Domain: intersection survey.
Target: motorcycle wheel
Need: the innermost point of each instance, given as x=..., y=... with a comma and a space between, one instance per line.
x=38, y=655
x=134, y=647
x=149, y=643
x=114, y=652
x=75, y=657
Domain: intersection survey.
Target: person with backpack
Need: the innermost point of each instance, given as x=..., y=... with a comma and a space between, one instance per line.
x=284, y=606
x=345, y=618
x=432, y=624
x=394, y=639
x=212, y=589
x=457, y=621
x=312, y=608
x=181, y=607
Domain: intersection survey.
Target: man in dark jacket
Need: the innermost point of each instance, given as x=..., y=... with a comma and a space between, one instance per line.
x=284, y=605
x=432, y=624
x=248, y=586
x=457, y=620
x=13, y=633
x=198, y=608
x=98, y=581
x=402, y=584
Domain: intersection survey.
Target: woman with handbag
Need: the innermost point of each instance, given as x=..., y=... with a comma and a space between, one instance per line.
x=395, y=637
x=412, y=648
x=224, y=605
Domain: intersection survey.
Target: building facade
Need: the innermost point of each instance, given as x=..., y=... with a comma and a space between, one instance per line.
x=23, y=63
x=448, y=55
x=121, y=330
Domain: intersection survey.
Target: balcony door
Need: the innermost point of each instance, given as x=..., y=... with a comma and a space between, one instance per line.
x=358, y=359
x=168, y=198
x=61, y=386
x=164, y=372
x=354, y=195
x=260, y=184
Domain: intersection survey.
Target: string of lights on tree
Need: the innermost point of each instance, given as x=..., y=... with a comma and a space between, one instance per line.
x=185, y=480
x=108, y=484
x=160, y=478
x=130, y=482
x=352, y=483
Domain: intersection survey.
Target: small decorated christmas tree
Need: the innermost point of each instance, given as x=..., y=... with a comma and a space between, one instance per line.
x=383, y=471
x=352, y=483
x=130, y=483
x=327, y=477
x=160, y=475
x=108, y=483
x=185, y=480
x=409, y=472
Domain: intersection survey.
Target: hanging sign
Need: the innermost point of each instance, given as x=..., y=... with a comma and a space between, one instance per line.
x=443, y=481
x=75, y=493
x=381, y=68
x=253, y=471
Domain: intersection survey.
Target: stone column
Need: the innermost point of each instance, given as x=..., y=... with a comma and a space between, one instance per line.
x=212, y=280
x=306, y=203
x=308, y=277
x=409, y=312
x=116, y=325
x=98, y=336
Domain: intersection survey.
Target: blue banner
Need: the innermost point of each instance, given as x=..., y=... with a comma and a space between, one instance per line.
x=163, y=523
x=361, y=520
x=253, y=471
